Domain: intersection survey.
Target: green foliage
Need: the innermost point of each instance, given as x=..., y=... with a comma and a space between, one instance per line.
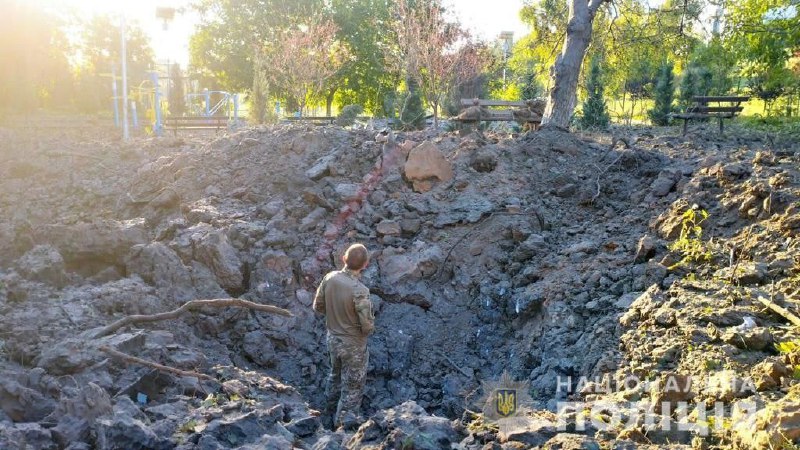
x=688, y=87
x=595, y=111
x=189, y=426
x=786, y=347
x=34, y=71
x=365, y=78
x=690, y=243
x=412, y=112
x=663, y=94
x=347, y=117
x=717, y=64
x=101, y=47
x=259, y=94
x=221, y=49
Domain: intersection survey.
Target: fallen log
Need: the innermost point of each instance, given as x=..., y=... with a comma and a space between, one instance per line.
x=153, y=365
x=788, y=315
x=187, y=307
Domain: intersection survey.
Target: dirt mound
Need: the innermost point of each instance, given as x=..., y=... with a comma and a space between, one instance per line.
x=544, y=256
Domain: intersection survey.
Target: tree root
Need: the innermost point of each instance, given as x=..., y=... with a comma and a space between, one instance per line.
x=189, y=306
x=153, y=365
x=783, y=312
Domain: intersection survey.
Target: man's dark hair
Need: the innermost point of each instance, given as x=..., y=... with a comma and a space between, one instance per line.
x=356, y=257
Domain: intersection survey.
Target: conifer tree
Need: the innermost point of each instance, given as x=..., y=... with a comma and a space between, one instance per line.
x=663, y=95
x=689, y=86
x=412, y=112
x=595, y=111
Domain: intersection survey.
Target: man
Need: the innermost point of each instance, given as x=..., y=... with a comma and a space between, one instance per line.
x=349, y=319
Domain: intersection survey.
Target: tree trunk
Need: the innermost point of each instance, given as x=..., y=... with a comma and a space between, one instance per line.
x=435, y=116
x=562, y=97
x=329, y=102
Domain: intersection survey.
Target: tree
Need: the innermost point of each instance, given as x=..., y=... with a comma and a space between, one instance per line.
x=688, y=87
x=435, y=51
x=303, y=59
x=364, y=79
x=412, y=112
x=35, y=72
x=230, y=31
x=664, y=92
x=259, y=93
x=561, y=98
x=177, y=96
x=101, y=48
x=595, y=112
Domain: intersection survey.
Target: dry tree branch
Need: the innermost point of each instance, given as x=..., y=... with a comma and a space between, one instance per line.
x=189, y=306
x=143, y=362
x=783, y=312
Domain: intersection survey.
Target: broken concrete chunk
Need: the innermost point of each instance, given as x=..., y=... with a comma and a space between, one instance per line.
x=426, y=164
x=43, y=263
x=215, y=251
x=388, y=228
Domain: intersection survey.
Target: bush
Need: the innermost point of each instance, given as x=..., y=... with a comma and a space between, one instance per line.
x=595, y=111
x=347, y=117
x=663, y=95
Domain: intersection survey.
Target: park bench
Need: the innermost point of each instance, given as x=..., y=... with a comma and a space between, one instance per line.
x=727, y=107
x=476, y=110
x=322, y=119
x=196, y=123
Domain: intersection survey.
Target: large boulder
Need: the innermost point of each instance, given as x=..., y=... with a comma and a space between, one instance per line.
x=215, y=251
x=161, y=267
x=21, y=403
x=426, y=165
x=398, y=265
x=43, y=263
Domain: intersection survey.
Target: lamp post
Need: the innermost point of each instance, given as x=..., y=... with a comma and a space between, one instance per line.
x=507, y=37
x=125, y=131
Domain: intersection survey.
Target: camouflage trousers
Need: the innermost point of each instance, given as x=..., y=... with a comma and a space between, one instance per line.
x=345, y=385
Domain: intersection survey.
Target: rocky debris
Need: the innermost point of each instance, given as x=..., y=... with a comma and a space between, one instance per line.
x=426, y=165
x=100, y=241
x=123, y=431
x=752, y=339
x=26, y=435
x=322, y=167
x=671, y=388
x=746, y=273
x=214, y=250
x=407, y=425
x=645, y=250
x=43, y=263
x=161, y=267
x=504, y=272
x=768, y=375
x=727, y=385
x=776, y=425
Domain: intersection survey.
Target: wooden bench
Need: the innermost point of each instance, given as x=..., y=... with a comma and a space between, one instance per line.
x=475, y=110
x=727, y=107
x=323, y=119
x=196, y=123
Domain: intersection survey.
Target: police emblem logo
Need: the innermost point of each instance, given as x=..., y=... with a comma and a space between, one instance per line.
x=506, y=402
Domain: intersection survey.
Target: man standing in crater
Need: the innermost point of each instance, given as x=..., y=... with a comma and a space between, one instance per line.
x=345, y=302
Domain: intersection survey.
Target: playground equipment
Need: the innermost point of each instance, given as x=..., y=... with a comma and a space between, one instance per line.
x=214, y=110
x=226, y=102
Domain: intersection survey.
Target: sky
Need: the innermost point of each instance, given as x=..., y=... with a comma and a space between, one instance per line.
x=485, y=18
